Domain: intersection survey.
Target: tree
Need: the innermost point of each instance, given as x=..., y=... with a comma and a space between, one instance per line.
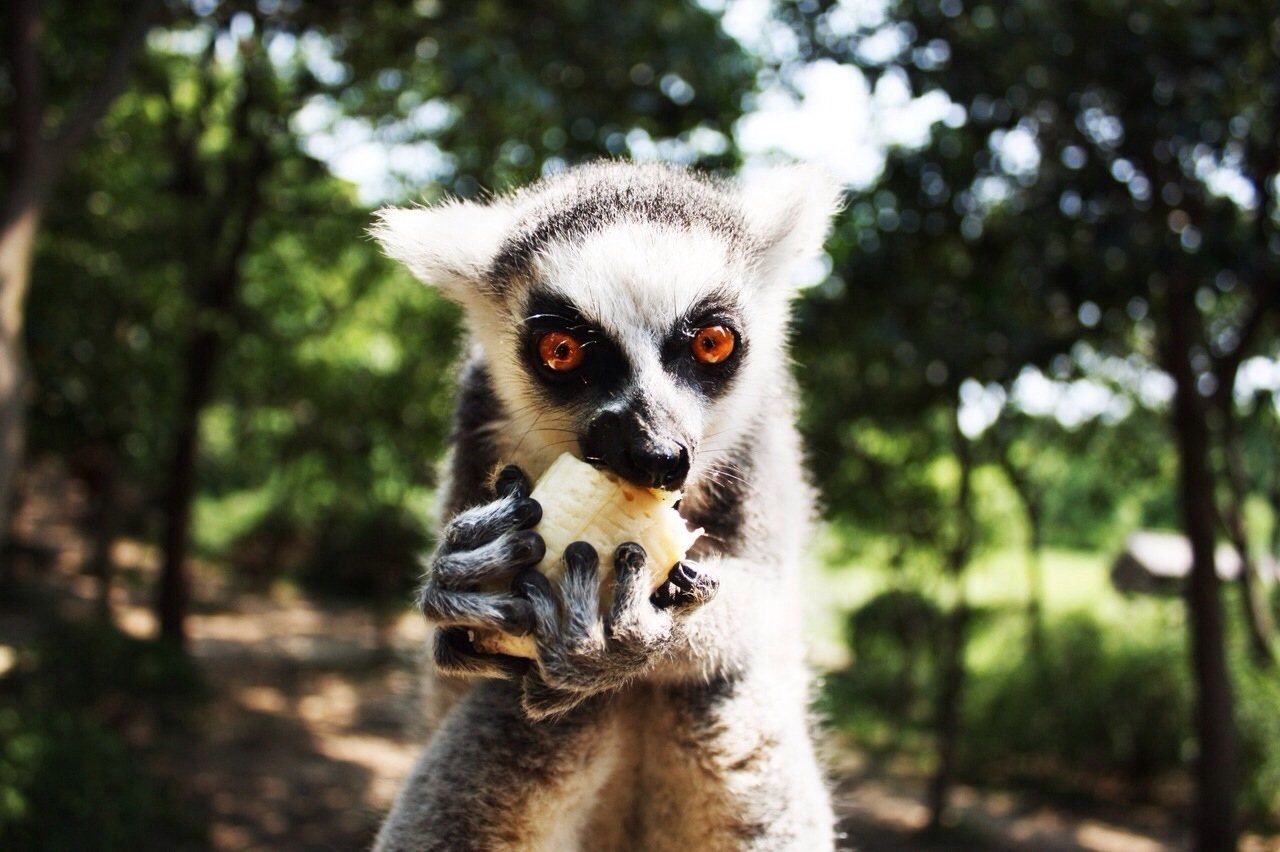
x=492, y=91
x=1113, y=166
x=47, y=125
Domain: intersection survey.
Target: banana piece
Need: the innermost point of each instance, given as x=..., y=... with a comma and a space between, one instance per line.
x=581, y=503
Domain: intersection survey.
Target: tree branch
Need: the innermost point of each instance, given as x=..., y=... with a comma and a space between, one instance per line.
x=23, y=175
x=26, y=26
x=110, y=81
x=1266, y=299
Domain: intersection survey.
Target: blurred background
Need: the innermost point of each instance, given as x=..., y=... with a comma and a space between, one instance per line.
x=1040, y=368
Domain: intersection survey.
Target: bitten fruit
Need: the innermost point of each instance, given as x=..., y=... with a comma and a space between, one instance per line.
x=582, y=503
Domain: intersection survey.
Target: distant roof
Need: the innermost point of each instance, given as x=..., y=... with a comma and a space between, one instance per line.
x=1153, y=558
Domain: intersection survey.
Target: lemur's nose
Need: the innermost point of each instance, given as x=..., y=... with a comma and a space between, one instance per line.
x=630, y=449
x=660, y=466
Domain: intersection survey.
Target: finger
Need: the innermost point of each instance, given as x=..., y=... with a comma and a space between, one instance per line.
x=533, y=586
x=630, y=581
x=580, y=590
x=479, y=610
x=512, y=482
x=454, y=654
x=687, y=585
x=457, y=569
x=480, y=525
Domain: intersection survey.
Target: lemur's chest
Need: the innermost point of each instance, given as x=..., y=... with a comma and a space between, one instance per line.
x=666, y=784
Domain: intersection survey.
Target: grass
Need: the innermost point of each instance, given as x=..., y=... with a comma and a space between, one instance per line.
x=1108, y=700
x=1073, y=581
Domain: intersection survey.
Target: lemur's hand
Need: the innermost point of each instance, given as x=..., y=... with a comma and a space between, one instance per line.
x=581, y=653
x=483, y=547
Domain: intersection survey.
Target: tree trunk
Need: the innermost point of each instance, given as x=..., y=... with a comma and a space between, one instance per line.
x=197, y=369
x=951, y=689
x=213, y=281
x=33, y=166
x=1257, y=617
x=947, y=718
x=1028, y=496
x=1273, y=497
x=1217, y=761
x=16, y=245
x=97, y=467
x=1035, y=582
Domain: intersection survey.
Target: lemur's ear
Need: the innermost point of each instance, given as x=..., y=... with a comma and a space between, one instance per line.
x=449, y=246
x=789, y=210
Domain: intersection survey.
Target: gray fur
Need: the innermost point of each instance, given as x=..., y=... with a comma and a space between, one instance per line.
x=677, y=720
x=575, y=203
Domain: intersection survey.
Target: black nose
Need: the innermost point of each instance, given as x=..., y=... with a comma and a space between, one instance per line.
x=659, y=465
x=631, y=449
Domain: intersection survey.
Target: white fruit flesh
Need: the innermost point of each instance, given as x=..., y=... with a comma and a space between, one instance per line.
x=581, y=503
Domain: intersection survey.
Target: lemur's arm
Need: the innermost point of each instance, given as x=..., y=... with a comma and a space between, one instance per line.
x=485, y=544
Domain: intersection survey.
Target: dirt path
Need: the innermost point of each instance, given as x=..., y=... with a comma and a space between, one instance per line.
x=311, y=730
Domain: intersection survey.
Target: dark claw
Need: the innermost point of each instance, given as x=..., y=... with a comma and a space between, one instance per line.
x=581, y=561
x=629, y=556
x=526, y=513
x=684, y=575
x=532, y=584
x=517, y=618
x=686, y=586
x=528, y=548
x=511, y=482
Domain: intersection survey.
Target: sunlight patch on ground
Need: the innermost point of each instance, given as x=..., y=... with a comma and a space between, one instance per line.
x=388, y=762
x=1104, y=838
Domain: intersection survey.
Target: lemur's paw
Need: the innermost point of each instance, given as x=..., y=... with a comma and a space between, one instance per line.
x=468, y=576
x=688, y=585
x=578, y=650
x=455, y=655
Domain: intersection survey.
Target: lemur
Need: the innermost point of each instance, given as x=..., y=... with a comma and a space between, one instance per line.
x=635, y=316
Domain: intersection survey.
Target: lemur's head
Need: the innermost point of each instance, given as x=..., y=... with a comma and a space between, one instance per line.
x=633, y=314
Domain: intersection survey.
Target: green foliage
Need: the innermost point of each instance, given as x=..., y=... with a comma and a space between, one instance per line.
x=516, y=86
x=67, y=783
x=377, y=553
x=1258, y=717
x=92, y=665
x=1107, y=696
x=1098, y=699
x=67, y=778
x=896, y=639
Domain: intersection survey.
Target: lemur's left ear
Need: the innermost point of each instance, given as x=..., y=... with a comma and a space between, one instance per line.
x=449, y=246
x=789, y=210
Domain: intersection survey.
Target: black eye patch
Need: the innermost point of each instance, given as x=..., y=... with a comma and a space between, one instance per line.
x=603, y=370
x=711, y=380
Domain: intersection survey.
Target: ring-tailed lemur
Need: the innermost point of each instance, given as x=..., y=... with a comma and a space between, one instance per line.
x=636, y=316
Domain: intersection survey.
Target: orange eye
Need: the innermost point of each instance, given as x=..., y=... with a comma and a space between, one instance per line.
x=560, y=351
x=712, y=344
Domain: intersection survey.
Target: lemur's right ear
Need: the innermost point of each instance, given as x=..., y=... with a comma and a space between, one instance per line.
x=789, y=210
x=449, y=246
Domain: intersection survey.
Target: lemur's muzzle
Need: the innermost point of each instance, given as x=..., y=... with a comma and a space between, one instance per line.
x=631, y=449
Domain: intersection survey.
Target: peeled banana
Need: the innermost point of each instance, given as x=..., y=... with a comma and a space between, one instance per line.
x=581, y=503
